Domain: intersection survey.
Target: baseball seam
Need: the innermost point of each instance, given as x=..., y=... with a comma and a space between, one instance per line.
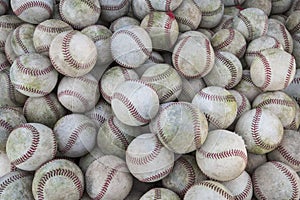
x=267, y=70
x=242, y=106
x=72, y=93
x=10, y=180
x=7, y=25
x=275, y=102
x=19, y=40
x=217, y=189
x=212, y=12
x=186, y=21
x=52, y=106
x=190, y=175
x=289, y=72
x=227, y=41
x=215, y=97
x=30, y=90
x=92, y=6
x=118, y=134
x=168, y=5
x=247, y=24
x=285, y=38
x=157, y=193
x=4, y=65
x=172, y=91
x=33, y=72
x=232, y=69
x=287, y=155
x=168, y=26
x=246, y=192
x=224, y=154
x=157, y=176
x=31, y=4
x=52, y=29
x=7, y=126
x=121, y=5
x=257, y=190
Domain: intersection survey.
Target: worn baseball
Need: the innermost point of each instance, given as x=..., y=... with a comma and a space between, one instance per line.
x=7, y=24
x=277, y=30
x=225, y=23
x=4, y=63
x=190, y=87
x=232, y=10
x=16, y=185
x=212, y=12
x=147, y=159
x=242, y=101
x=112, y=10
x=131, y=46
x=288, y=150
x=267, y=66
x=233, y=2
x=165, y=5
x=90, y=157
x=181, y=127
x=114, y=77
x=79, y=14
x=184, y=175
x=293, y=22
x=108, y=178
x=218, y=105
x=254, y=161
x=226, y=72
x=33, y=75
x=50, y=110
x=45, y=32
x=9, y=95
x=9, y=120
x=273, y=175
x=251, y=22
x=222, y=162
x=76, y=135
x=123, y=22
x=188, y=16
x=30, y=145
x=292, y=89
x=4, y=6
x=294, y=125
x=296, y=50
x=208, y=190
x=22, y=39
x=114, y=137
x=8, y=49
x=229, y=40
x=264, y=5
x=294, y=7
x=165, y=80
x=196, y=63
x=72, y=53
x=127, y=105
x=58, y=179
x=241, y=187
x=160, y=193
x=255, y=125
x=33, y=12
x=155, y=58
x=5, y=164
x=278, y=103
x=256, y=46
x=162, y=28
x=79, y=94
x=141, y=8
x=280, y=6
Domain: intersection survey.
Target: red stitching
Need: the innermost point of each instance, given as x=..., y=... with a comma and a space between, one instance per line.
x=7, y=25
x=131, y=108
x=190, y=175
x=42, y=48
x=148, y=2
x=157, y=193
x=296, y=80
x=170, y=93
x=112, y=172
x=143, y=160
x=287, y=156
x=213, y=120
x=99, y=118
x=74, y=136
x=177, y=54
x=150, y=20
x=31, y=4
x=31, y=90
x=120, y=135
x=227, y=40
x=246, y=192
x=243, y=105
x=213, y=12
x=159, y=77
x=290, y=177
x=208, y=57
x=68, y=58
x=34, y=144
x=168, y=27
x=157, y=176
x=49, y=29
x=105, y=95
x=116, y=7
x=242, y=51
x=224, y=154
x=92, y=6
x=4, y=65
x=6, y=182
x=215, y=97
x=58, y=172
x=72, y=93
x=61, y=13
x=11, y=88
x=97, y=38
x=255, y=131
x=4, y=124
x=289, y=72
x=19, y=40
x=186, y=22
x=230, y=66
x=295, y=29
x=275, y=102
x=125, y=73
x=285, y=38
x=168, y=5
x=268, y=71
x=257, y=190
x=51, y=105
x=87, y=80
x=217, y=189
x=33, y=72
x=247, y=23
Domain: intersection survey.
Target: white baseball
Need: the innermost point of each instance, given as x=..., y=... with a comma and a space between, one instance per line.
x=127, y=105
x=79, y=94
x=108, y=178
x=147, y=159
x=155, y=58
x=160, y=193
x=222, y=162
x=72, y=53
x=294, y=125
x=76, y=135
x=112, y=10
x=33, y=12
x=8, y=49
x=255, y=125
x=33, y=75
x=58, y=179
x=30, y=145
x=90, y=157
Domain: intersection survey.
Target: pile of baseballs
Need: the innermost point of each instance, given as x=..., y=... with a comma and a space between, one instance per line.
x=149, y=99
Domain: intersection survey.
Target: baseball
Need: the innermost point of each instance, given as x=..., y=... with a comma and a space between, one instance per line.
x=280, y=6
x=208, y=190
x=123, y=22
x=160, y=193
x=254, y=161
x=90, y=157
x=58, y=179
x=242, y=101
x=292, y=88
x=267, y=66
x=79, y=14
x=218, y=105
x=108, y=178
x=180, y=126
x=294, y=125
x=141, y=8
x=190, y=87
x=131, y=46
x=155, y=58
x=273, y=175
x=112, y=10
x=147, y=159
x=293, y=22
x=255, y=125
x=79, y=94
x=225, y=23
x=165, y=80
x=76, y=135
x=222, y=162
x=30, y=145
x=33, y=12
x=72, y=53
x=127, y=105
x=296, y=50
x=4, y=63
x=8, y=49
x=264, y=5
